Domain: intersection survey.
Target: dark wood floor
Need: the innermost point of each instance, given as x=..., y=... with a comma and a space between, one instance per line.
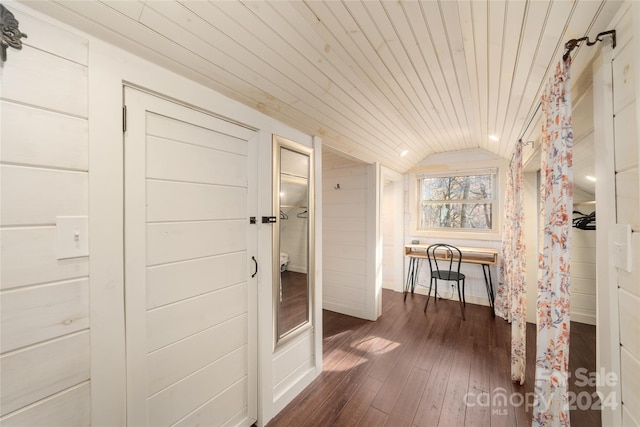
x=408, y=369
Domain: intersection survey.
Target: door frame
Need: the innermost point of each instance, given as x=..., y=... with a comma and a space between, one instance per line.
x=397, y=181
x=607, y=315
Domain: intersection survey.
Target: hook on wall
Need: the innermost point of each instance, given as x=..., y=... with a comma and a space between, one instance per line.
x=11, y=34
x=336, y=187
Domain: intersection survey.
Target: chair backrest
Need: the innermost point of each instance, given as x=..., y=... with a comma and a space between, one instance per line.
x=443, y=257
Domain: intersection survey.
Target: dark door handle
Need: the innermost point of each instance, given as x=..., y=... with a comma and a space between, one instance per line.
x=256, y=263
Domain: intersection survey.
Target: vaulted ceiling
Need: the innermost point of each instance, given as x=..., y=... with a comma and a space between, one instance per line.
x=371, y=78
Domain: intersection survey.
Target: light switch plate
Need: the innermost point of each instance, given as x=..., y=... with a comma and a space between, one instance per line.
x=622, y=247
x=72, y=236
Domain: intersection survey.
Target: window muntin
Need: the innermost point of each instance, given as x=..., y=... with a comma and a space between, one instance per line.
x=461, y=201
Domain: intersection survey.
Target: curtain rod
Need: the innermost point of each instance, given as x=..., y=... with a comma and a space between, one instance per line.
x=573, y=43
x=569, y=47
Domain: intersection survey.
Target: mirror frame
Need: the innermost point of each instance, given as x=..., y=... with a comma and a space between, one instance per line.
x=279, y=143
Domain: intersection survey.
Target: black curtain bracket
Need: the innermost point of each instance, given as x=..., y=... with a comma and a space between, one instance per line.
x=573, y=43
x=11, y=34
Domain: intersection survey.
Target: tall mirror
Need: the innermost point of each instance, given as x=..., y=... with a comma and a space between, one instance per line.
x=293, y=238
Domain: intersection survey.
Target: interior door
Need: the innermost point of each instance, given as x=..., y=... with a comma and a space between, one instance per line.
x=191, y=300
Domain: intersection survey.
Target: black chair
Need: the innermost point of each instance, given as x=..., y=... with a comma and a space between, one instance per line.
x=444, y=262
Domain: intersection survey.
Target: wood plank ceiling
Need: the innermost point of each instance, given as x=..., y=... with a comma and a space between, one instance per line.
x=372, y=78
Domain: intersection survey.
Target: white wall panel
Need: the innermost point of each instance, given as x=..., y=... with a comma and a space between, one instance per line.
x=295, y=356
x=347, y=251
x=169, y=405
x=71, y=407
x=168, y=324
x=51, y=38
x=630, y=321
x=168, y=160
x=583, y=276
x=169, y=283
x=624, y=77
x=630, y=370
x=349, y=238
x=584, y=303
x=176, y=361
x=169, y=242
x=171, y=201
x=344, y=298
x=346, y=224
x=31, y=136
x=346, y=239
x=343, y=210
x=41, y=79
x=37, y=372
x=346, y=265
x=583, y=270
x=626, y=151
x=584, y=255
x=585, y=286
x=214, y=133
x=627, y=418
x=40, y=313
x=629, y=280
x=219, y=410
x=34, y=196
x=628, y=198
x=28, y=256
x=44, y=155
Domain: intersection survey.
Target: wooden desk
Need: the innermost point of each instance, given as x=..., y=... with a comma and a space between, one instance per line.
x=472, y=255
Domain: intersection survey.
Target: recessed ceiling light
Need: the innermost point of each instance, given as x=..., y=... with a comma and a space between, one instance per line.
x=494, y=138
x=404, y=153
x=591, y=178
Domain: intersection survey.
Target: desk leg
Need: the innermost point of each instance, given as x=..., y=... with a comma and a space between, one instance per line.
x=407, y=284
x=412, y=276
x=486, y=270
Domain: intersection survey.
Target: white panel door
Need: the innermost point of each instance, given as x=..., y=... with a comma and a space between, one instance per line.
x=191, y=330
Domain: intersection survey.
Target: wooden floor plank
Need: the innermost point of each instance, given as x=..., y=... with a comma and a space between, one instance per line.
x=373, y=418
x=414, y=369
x=403, y=411
x=361, y=400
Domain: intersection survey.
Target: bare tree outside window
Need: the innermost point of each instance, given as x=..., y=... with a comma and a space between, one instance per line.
x=457, y=202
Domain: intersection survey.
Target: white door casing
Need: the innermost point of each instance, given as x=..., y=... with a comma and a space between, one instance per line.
x=191, y=300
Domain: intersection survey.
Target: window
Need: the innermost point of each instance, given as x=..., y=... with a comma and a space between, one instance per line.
x=461, y=201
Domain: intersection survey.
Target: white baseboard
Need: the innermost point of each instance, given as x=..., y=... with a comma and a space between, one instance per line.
x=583, y=317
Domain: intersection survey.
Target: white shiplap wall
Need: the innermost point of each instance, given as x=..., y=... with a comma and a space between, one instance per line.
x=625, y=111
x=45, y=363
x=387, y=223
x=618, y=191
x=583, y=276
x=50, y=78
x=347, y=239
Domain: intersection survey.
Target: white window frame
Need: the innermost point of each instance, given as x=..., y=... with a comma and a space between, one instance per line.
x=447, y=233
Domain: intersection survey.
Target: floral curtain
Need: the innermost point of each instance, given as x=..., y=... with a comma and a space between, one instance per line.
x=510, y=296
x=551, y=406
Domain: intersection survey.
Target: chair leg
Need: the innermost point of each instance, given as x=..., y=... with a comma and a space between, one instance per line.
x=428, y=295
x=435, y=293
x=464, y=298
x=461, y=302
